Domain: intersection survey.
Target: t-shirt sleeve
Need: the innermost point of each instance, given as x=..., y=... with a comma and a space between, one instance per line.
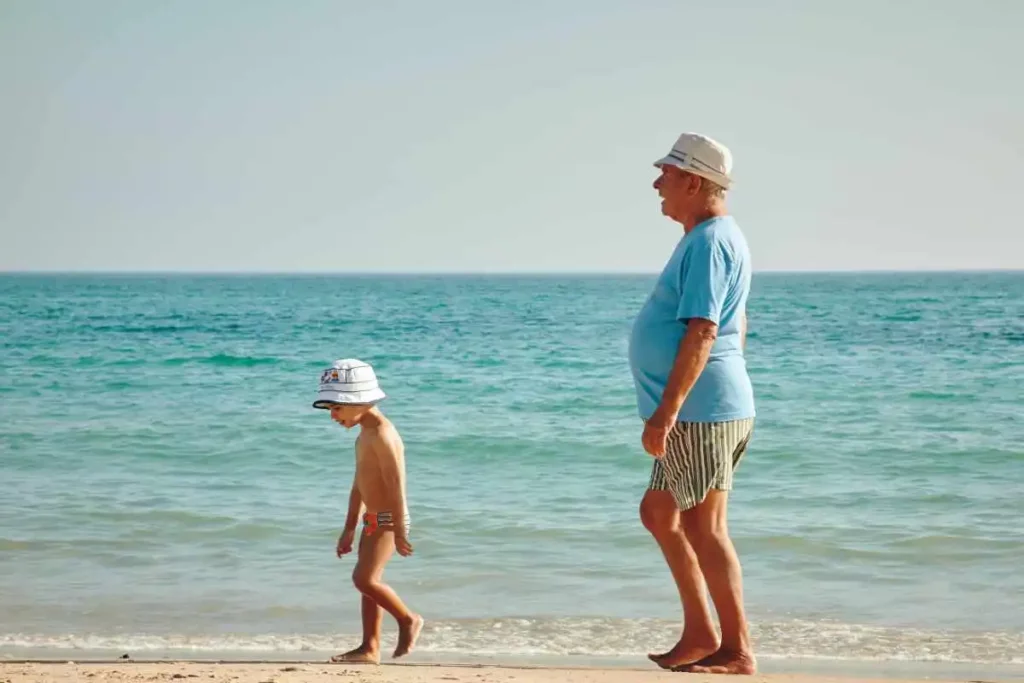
x=703, y=281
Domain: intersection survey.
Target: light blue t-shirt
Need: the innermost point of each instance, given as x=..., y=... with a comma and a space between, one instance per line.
x=707, y=276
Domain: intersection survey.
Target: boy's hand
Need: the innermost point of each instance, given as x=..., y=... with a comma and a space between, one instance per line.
x=345, y=541
x=402, y=545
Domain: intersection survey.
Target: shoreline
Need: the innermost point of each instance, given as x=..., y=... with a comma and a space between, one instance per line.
x=292, y=671
x=237, y=666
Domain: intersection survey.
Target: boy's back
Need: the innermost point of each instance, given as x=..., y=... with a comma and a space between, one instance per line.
x=380, y=471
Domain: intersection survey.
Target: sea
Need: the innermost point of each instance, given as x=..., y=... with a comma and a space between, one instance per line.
x=167, y=489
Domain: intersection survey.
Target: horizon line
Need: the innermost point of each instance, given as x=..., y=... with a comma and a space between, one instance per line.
x=499, y=273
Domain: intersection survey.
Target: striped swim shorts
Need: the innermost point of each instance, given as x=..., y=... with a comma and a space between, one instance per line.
x=699, y=457
x=384, y=520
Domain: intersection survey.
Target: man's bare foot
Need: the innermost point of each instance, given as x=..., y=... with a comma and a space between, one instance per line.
x=723, y=662
x=408, y=633
x=360, y=655
x=686, y=651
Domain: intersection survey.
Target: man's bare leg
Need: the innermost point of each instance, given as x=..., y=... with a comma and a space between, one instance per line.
x=661, y=517
x=374, y=553
x=706, y=524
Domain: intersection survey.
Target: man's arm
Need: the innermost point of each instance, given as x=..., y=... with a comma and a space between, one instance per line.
x=743, y=332
x=692, y=356
x=703, y=285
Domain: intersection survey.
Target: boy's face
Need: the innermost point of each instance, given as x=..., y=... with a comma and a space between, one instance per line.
x=348, y=416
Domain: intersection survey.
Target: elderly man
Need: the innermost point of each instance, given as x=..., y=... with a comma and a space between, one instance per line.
x=697, y=404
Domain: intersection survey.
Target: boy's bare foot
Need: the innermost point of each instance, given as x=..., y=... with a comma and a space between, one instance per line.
x=408, y=633
x=723, y=662
x=360, y=655
x=686, y=651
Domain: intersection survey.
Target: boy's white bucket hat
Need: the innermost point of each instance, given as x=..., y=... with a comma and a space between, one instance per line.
x=700, y=155
x=348, y=382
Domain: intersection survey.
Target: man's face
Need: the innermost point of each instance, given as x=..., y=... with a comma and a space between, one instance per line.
x=348, y=416
x=678, y=191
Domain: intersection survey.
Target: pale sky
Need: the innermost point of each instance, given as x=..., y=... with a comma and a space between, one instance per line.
x=465, y=135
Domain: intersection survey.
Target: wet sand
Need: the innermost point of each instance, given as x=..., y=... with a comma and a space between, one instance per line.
x=315, y=672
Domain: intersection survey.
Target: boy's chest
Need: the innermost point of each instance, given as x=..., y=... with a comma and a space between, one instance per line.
x=365, y=459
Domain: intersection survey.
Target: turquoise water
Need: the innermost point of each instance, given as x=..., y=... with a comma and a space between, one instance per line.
x=167, y=487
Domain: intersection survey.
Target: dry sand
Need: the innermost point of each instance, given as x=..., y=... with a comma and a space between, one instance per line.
x=306, y=672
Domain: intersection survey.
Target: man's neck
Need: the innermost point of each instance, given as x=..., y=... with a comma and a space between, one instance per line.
x=714, y=209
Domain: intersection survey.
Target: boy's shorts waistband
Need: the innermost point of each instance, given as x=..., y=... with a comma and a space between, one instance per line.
x=384, y=519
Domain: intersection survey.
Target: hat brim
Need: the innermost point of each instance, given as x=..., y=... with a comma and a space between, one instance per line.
x=716, y=178
x=326, y=399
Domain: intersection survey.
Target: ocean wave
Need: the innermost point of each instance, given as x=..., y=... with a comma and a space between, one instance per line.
x=227, y=359
x=147, y=329
x=579, y=637
x=224, y=360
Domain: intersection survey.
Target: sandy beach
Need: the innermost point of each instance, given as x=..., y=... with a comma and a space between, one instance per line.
x=312, y=672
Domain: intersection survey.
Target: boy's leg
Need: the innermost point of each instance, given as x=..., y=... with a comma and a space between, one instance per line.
x=368, y=651
x=374, y=552
x=373, y=619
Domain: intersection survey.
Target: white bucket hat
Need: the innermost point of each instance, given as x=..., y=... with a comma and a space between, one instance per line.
x=700, y=155
x=348, y=382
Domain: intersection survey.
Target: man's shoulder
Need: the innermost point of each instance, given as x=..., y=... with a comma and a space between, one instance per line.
x=723, y=234
x=723, y=229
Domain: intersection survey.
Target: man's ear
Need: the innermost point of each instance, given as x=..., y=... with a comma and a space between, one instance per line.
x=695, y=185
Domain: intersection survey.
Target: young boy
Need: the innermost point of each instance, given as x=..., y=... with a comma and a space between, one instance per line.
x=349, y=389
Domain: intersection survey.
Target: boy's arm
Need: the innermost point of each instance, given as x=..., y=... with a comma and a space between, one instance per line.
x=389, y=452
x=355, y=508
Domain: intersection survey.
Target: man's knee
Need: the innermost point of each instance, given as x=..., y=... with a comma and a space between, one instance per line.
x=706, y=522
x=658, y=512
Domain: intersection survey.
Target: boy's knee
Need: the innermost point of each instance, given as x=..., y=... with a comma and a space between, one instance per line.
x=362, y=581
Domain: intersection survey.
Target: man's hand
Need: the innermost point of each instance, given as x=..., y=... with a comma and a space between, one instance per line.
x=402, y=545
x=345, y=541
x=692, y=356
x=656, y=431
